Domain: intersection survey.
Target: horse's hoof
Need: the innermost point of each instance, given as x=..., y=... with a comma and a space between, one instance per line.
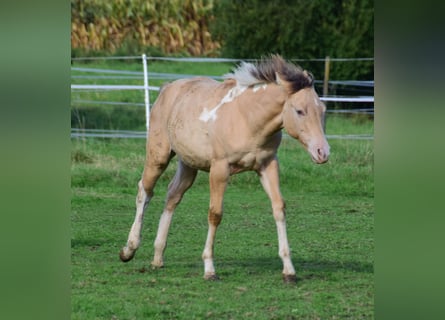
x=289, y=278
x=125, y=256
x=211, y=277
x=155, y=265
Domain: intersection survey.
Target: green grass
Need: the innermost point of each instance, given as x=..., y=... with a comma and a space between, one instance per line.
x=330, y=215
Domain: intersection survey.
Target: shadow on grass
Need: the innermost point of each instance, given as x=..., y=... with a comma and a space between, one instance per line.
x=262, y=267
x=306, y=269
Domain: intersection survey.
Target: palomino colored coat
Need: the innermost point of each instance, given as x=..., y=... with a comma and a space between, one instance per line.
x=226, y=128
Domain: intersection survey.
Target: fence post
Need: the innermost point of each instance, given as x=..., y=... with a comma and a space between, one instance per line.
x=327, y=63
x=147, y=92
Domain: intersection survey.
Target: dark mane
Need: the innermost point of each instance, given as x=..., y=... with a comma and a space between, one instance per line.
x=266, y=68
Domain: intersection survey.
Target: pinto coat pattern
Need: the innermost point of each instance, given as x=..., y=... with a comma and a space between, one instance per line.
x=225, y=128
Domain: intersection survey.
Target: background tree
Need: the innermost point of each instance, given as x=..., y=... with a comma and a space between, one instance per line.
x=302, y=29
x=159, y=27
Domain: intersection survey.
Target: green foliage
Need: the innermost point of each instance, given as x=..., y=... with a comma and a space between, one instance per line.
x=135, y=26
x=301, y=29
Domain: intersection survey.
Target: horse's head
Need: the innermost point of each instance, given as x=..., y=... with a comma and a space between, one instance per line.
x=303, y=119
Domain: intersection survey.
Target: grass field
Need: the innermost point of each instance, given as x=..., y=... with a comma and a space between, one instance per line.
x=330, y=219
x=330, y=227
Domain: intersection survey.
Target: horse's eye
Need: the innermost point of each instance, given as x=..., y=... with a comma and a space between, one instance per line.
x=299, y=112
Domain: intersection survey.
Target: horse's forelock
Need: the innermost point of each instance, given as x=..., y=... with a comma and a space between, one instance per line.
x=299, y=80
x=291, y=73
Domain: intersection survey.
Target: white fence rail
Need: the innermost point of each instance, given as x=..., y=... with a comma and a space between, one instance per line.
x=103, y=133
x=146, y=75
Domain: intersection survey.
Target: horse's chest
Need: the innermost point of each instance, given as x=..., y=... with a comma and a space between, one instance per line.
x=249, y=161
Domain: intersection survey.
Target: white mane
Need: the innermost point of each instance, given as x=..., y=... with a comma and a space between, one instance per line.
x=244, y=75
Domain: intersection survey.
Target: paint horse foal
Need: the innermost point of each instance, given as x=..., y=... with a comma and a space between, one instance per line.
x=226, y=128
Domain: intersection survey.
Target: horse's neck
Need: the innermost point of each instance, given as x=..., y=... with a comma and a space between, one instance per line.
x=266, y=112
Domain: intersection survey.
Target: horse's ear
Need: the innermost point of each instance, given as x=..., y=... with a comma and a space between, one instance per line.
x=278, y=79
x=308, y=75
x=282, y=82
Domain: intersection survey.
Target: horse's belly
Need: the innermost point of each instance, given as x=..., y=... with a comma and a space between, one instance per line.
x=200, y=163
x=190, y=142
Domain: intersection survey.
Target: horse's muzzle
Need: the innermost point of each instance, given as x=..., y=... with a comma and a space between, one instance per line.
x=320, y=155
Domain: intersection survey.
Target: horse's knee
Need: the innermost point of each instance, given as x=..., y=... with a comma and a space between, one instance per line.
x=144, y=195
x=279, y=211
x=215, y=216
x=153, y=169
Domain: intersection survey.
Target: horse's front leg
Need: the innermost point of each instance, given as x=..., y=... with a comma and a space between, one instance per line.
x=218, y=177
x=269, y=177
x=134, y=237
x=151, y=173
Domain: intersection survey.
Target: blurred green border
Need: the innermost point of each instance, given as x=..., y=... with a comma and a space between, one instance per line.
x=35, y=146
x=35, y=160
x=409, y=153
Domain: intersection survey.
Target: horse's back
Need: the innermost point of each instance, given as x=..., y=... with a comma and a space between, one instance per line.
x=182, y=93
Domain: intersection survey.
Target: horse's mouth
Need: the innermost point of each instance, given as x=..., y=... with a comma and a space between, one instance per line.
x=318, y=160
x=319, y=155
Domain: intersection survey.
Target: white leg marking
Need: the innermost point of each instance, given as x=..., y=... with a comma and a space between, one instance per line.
x=134, y=237
x=182, y=180
x=161, y=238
x=218, y=177
x=142, y=201
x=284, y=251
x=207, y=255
x=270, y=181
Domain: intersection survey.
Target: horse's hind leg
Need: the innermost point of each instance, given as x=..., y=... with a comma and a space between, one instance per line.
x=182, y=181
x=154, y=167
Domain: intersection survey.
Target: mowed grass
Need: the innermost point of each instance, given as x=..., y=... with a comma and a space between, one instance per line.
x=330, y=221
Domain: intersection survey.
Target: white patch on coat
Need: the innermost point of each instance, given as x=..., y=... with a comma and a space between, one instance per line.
x=259, y=86
x=236, y=91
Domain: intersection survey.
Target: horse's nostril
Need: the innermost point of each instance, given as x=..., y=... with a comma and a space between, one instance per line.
x=322, y=154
